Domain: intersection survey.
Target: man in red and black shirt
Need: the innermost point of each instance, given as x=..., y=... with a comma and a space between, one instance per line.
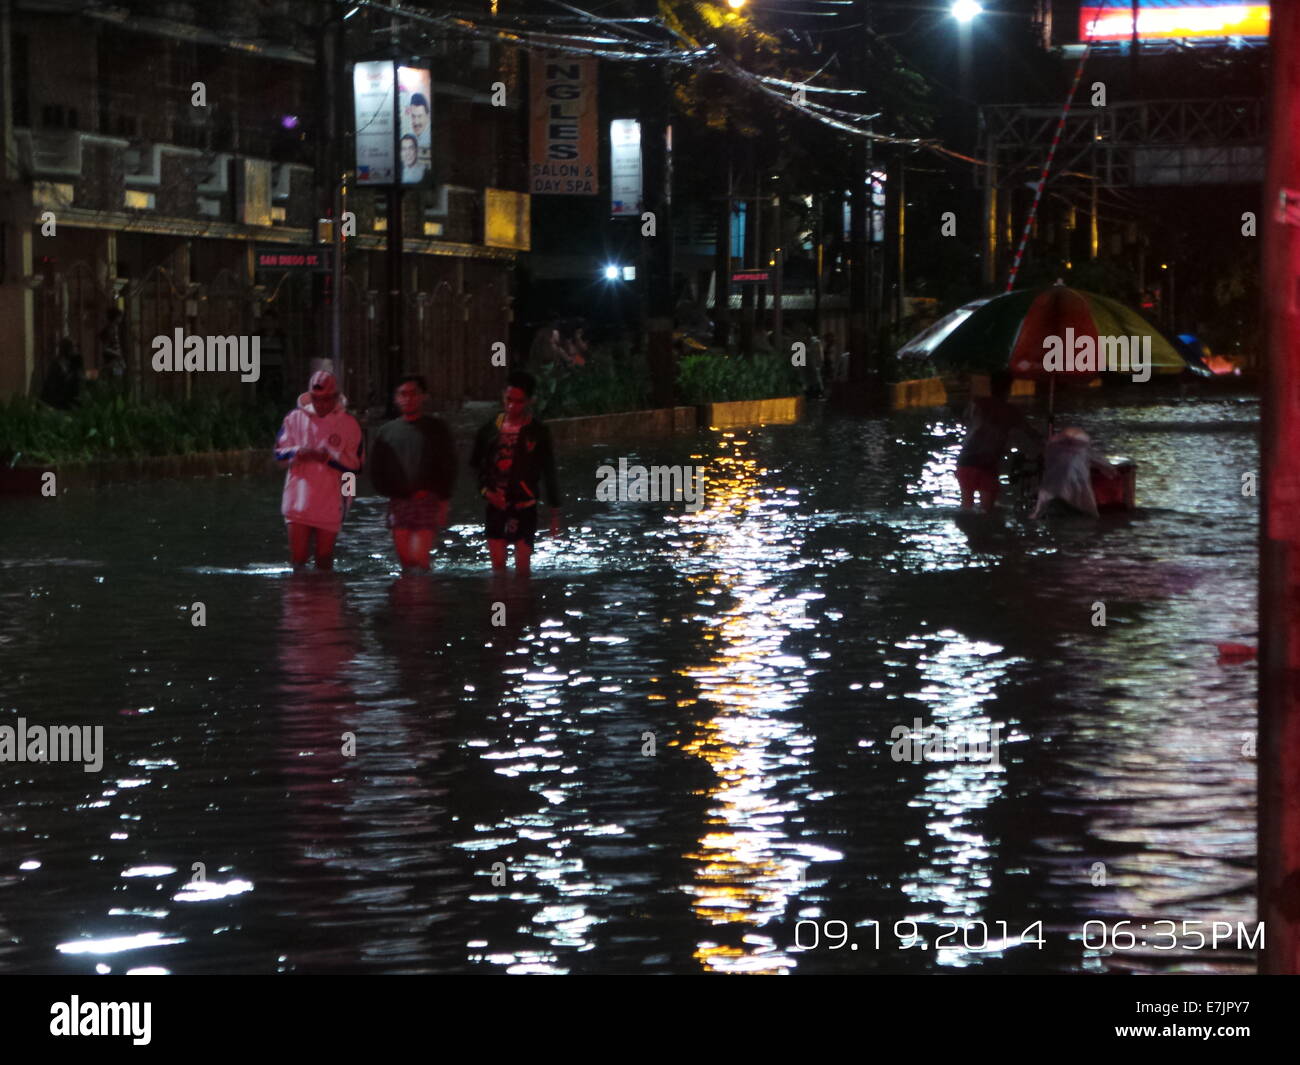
x=514, y=459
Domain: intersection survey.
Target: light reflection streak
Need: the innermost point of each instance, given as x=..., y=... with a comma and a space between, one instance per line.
x=528, y=744
x=748, y=869
x=954, y=878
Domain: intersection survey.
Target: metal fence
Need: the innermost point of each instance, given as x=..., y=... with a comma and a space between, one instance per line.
x=448, y=336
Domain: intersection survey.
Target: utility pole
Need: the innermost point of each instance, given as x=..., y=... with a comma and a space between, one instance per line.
x=722, y=256
x=1278, y=751
x=659, y=250
x=861, y=260
x=874, y=272
x=988, y=272
x=819, y=210
x=900, y=306
x=396, y=299
x=330, y=161
x=750, y=249
x=778, y=276
x=1094, y=236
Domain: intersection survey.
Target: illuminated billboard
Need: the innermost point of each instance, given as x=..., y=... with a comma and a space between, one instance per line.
x=393, y=134
x=1172, y=19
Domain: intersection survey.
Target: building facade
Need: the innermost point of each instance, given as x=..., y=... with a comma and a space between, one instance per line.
x=153, y=149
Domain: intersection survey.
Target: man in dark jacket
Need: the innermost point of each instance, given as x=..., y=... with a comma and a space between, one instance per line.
x=414, y=464
x=513, y=457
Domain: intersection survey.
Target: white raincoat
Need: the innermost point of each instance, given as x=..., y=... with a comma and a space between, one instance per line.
x=1067, y=473
x=313, y=491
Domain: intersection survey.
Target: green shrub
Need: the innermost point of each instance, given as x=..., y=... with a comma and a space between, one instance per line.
x=613, y=379
x=712, y=377
x=106, y=424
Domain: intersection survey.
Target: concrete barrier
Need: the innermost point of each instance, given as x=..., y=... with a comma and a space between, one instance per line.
x=594, y=429
x=600, y=428
x=785, y=410
x=923, y=392
x=27, y=480
x=1020, y=386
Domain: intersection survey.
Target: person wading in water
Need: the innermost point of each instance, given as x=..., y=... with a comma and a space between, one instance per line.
x=319, y=442
x=414, y=463
x=990, y=419
x=513, y=456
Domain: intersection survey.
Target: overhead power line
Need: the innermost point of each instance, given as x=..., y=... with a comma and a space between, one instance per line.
x=623, y=40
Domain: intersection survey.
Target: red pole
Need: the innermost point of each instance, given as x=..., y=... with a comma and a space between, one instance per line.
x=1279, y=573
x=1047, y=167
x=1051, y=152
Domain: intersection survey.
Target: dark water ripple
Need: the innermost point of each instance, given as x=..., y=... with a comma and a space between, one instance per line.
x=501, y=810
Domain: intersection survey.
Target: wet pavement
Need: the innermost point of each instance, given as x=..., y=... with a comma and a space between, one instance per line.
x=676, y=747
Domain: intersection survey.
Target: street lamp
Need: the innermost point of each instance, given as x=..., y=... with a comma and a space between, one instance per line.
x=965, y=10
x=736, y=5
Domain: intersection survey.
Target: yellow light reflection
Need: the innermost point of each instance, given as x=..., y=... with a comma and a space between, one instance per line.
x=748, y=869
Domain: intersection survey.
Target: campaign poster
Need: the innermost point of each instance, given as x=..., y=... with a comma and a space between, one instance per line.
x=415, y=139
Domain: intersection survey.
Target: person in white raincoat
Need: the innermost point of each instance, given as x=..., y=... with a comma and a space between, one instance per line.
x=319, y=442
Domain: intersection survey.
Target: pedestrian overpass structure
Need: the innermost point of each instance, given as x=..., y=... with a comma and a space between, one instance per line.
x=1133, y=144
x=1129, y=145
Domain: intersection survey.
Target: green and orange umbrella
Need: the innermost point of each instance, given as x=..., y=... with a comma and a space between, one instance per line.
x=1009, y=332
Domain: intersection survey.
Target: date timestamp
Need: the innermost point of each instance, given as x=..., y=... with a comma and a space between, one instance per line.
x=908, y=935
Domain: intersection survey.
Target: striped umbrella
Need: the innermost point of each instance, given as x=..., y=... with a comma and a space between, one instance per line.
x=1045, y=333
x=1019, y=330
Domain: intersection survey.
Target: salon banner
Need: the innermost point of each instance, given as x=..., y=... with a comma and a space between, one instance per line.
x=565, y=141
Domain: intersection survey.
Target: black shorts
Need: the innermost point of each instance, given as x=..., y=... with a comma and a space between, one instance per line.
x=512, y=525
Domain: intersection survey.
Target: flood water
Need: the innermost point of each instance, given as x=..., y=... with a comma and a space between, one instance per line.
x=677, y=743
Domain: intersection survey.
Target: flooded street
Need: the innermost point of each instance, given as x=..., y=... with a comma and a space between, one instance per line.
x=676, y=744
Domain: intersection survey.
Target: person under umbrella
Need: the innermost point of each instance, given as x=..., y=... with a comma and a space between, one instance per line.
x=991, y=420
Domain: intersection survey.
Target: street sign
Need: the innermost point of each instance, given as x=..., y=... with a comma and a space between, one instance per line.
x=740, y=277
x=298, y=260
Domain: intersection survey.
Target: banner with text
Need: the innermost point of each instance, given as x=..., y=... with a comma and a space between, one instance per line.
x=564, y=134
x=372, y=94
x=625, y=168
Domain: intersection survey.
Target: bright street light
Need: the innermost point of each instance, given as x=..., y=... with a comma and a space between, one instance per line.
x=612, y=273
x=735, y=5
x=965, y=10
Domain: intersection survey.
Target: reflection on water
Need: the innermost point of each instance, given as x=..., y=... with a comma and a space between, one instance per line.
x=662, y=751
x=959, y=679
x=747, y=867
